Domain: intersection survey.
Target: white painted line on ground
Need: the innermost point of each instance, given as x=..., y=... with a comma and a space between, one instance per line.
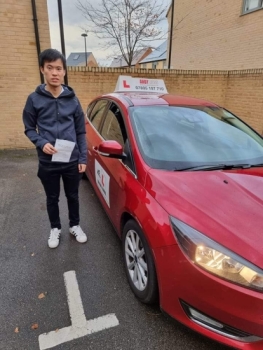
x=54, y=338
x=80, y=326
x=76, y=310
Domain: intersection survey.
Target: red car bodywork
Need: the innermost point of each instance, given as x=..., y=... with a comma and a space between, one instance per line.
x=226, y=206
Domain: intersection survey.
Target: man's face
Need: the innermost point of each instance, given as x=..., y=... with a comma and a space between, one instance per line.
x=53, y=72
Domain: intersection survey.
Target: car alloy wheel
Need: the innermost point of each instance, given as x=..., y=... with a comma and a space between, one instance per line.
x=139, y=263
x=135, y=260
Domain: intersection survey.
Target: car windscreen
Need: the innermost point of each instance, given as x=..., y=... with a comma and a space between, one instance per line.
x=178, y=137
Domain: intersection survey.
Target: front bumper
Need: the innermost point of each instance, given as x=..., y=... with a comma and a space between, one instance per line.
x=183, y=284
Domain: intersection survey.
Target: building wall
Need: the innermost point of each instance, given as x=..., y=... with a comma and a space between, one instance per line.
x=19, y=73
x=91, y=61
x=147, y=53
x=148, y=65
x=213, y=34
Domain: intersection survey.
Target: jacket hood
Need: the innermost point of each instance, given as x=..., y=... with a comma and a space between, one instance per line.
x=68, y=91
x=225, y=206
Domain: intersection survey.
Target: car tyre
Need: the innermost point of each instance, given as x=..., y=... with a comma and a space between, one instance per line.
x=139, y=264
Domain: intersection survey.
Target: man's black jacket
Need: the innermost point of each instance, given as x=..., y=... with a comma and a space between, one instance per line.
x=47, y=118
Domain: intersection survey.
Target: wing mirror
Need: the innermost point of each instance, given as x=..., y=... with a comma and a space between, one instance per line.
x=111, y=149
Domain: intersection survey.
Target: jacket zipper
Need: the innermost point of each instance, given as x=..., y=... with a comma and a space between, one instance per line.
x=57, y=118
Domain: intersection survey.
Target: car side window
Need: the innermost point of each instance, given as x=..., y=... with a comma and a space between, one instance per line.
x=97, y=113
x=89, y=109
x=113, y=127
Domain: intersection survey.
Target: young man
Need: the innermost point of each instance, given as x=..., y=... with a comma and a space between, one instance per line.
x=53, y=114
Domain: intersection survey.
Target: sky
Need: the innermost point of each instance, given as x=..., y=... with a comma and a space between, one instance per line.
x=74, y=25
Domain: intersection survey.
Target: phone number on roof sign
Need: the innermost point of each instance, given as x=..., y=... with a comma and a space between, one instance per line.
x=149, y=88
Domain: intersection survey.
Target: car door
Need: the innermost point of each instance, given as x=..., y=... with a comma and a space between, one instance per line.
x=94, y=119
x=113, y=175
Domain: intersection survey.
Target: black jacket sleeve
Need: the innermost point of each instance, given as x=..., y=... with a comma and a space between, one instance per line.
x=30, y=122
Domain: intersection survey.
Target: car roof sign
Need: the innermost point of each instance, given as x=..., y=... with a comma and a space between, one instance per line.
x=130, y=84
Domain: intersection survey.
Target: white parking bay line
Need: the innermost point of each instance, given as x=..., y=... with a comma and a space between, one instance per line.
x=76, y=310
x=54, y=338
x=80, y=326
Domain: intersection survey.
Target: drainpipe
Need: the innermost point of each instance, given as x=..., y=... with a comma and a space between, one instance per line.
x=62, y=39
x=34, y=10
x=171, y=35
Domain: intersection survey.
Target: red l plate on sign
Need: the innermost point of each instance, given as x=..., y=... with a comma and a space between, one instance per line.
x=125, y=85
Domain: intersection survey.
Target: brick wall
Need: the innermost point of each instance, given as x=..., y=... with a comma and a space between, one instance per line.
x=213, y=34
x=245, y=96
x=19, y=73
x=91, y=82
x=239, y=91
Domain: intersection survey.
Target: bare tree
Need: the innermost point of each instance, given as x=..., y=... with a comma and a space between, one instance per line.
x=125, y=26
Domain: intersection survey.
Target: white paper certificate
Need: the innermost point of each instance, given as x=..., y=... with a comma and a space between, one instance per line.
x=64, y=150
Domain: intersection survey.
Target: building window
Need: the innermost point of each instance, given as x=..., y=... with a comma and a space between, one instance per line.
x=154, y=65
x=75, y=57
x=252, y=5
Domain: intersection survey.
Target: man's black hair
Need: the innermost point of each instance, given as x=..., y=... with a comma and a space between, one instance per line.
x=51, y=55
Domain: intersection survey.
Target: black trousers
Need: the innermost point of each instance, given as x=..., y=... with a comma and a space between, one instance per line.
x=50, y=175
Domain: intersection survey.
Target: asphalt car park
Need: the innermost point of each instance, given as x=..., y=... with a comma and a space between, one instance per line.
x=33, y=294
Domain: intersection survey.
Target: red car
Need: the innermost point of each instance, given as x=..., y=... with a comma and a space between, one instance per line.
x=181, y=180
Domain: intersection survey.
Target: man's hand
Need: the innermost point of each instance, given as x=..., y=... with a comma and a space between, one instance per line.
x=82, y=168
x=49, y=149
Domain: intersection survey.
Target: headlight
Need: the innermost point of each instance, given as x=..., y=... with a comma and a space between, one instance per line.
x=215, y=258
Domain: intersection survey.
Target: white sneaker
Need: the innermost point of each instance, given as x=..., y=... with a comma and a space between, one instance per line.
x=78, y=233
x=53, y=240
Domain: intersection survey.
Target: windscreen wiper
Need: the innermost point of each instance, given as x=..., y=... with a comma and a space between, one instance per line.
x=218, y=167
x=257, y=165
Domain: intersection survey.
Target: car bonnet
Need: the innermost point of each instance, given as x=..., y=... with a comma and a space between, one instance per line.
x=225, y=206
